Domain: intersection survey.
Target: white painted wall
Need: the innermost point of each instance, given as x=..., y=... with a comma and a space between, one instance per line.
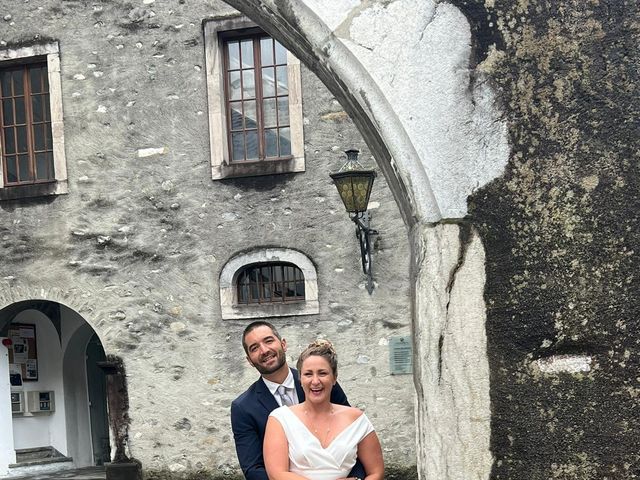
x=43, y=429
x=7, y=453
x=76, y=333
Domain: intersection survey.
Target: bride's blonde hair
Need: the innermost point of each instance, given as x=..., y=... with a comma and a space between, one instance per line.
x=321, y=348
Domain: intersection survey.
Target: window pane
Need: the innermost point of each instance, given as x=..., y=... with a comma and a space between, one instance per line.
x=237, y=140
x=265, y=274
x=243, y=294
x=23, y=168
x=283, y=111
x=47, y=112
x=21, y=116
x=248, y=84
x=270, y=118
x=35, y=74
x=255, y=296
x=266, y=50
x=7, y=112
x=42, y=166
x=18, y=78
x=283, y=81
x=288, y=273
x=48, y=137
x=236, y=115
x=38, y=137
x=278, y=274
x=234, y=85
x=22, y=139
x=277, y=291
x=36, y=108
x=247, y=53
x=266, y=291
x=289, y=291
x=12, y=172
x=285, y=142
x=9, y=141
x=233, y=50
x=268, y=82
x=252, y=145
x=5, y=84
x=271, y=142
x=300, y=289
x=281, y=53
x=250, y=114
x=253, y=275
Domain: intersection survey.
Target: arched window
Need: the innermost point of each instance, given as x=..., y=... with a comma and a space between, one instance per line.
x=268, y=282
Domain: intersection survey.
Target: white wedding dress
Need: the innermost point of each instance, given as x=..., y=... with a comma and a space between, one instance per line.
x=309, y=459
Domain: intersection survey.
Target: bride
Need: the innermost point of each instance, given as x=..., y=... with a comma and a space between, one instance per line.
x=317, y=439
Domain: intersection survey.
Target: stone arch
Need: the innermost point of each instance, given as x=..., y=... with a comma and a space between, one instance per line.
x=451, y=372
x=62, y=337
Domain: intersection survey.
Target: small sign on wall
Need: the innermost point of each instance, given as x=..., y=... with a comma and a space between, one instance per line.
x=400, y=355
x=23, y=353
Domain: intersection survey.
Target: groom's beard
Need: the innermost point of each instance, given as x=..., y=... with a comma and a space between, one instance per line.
x=281, y=360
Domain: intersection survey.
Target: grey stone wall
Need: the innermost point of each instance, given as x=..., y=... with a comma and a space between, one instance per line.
x=561, y=235
x=137, y=245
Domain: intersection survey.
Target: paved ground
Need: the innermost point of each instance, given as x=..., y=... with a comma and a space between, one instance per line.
x=89, y=473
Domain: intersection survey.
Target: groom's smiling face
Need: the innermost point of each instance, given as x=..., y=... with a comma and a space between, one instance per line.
x=265, y=351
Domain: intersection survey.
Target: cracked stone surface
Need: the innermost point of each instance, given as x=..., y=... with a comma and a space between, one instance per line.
x=452, y=377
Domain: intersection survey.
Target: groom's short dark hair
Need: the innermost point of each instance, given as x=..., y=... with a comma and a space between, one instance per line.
x=252, y=326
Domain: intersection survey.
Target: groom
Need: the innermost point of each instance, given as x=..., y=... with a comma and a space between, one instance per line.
x=278, y=385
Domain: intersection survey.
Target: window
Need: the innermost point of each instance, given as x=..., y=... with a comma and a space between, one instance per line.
x=27, y=147
x=269, y=282
x=256, y=98
x=31, y=138
x=255, y=107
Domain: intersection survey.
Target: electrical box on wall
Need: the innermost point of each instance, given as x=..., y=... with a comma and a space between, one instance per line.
x=17, y=402
x=41, y=402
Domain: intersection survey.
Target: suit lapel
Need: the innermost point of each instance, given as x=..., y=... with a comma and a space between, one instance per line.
x=296, y=380
x=264, y=396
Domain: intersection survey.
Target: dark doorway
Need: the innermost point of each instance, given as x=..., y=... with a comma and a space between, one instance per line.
x=96, y=386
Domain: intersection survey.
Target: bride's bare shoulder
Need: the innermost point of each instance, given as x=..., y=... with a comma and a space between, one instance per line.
x=351, y=413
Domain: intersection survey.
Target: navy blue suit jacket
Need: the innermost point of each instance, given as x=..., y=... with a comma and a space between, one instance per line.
x=249, y=414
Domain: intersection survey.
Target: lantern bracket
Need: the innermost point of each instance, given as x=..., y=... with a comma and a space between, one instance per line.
x=364, y=234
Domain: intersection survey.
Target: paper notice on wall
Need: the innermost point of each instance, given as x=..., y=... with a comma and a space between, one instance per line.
x=27, y=333
x=15, y=369
x=32, y=369
x=20, y=351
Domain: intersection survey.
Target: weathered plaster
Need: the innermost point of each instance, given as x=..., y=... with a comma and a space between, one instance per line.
x=452, y=376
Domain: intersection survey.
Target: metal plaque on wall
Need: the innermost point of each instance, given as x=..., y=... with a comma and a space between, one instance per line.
x=400, y=355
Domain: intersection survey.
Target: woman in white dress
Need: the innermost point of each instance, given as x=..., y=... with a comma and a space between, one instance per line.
x=316, y=439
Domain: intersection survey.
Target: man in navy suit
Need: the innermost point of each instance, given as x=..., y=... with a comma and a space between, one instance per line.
x=278, y=385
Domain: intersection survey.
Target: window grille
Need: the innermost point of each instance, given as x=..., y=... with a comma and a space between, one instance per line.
x=270, y=283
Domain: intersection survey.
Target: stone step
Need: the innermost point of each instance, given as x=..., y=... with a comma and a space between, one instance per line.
x=38, y=456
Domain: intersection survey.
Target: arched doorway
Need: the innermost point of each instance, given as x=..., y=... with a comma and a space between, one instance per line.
x=56, y=412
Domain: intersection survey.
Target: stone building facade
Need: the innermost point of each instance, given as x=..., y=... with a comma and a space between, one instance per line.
x=141, y=237
x=507, y=135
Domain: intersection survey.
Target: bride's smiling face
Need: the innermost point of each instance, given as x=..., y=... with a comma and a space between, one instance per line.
x=317, y=379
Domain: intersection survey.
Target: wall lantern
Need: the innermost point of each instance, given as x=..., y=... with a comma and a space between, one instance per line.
x=354, y=185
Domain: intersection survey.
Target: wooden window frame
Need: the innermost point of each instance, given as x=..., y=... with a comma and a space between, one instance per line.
x=11, y=126
x=255, y=35
x=46, y=53
x=216, y=32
